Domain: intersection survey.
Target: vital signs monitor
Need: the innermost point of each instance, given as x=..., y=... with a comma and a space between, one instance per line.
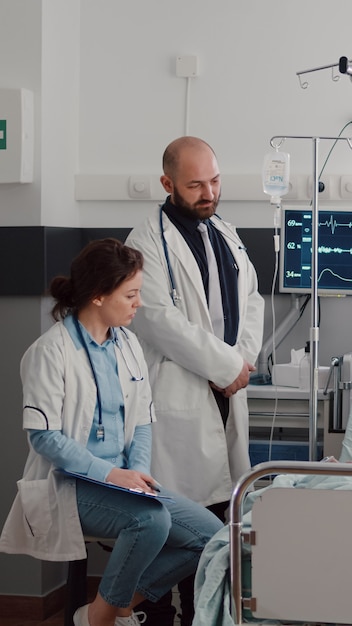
x=334, y=271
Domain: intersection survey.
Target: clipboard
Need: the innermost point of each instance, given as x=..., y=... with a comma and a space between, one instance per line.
x=135, y=492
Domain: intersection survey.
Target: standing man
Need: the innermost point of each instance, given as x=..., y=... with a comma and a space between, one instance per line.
x=199, y=358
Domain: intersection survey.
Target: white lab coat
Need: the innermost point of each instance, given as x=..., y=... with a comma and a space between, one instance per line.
x=57, y=380
x=192, y=455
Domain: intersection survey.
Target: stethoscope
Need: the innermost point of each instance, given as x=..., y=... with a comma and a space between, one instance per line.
x=173, y=293
x=116, y=340
x=100, y=432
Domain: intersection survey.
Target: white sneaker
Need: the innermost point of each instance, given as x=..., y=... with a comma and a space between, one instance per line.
x=132, y=620
x=136, y=619
x=80, y=617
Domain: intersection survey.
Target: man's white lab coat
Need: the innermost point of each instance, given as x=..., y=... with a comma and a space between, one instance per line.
x=192, y=454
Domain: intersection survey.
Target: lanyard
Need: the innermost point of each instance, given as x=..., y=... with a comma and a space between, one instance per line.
x=100, y=432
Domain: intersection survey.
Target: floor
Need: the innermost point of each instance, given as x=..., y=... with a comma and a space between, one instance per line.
x=55, y=620
x=58, y=619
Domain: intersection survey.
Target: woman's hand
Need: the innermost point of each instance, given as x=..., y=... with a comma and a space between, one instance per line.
x=131, y=479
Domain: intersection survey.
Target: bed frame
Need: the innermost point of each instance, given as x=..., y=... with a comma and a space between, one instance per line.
x=301, y=544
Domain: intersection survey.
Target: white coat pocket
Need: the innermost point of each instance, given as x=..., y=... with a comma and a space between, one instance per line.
x=34, y=496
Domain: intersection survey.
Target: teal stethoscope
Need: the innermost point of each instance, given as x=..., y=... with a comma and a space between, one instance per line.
x=100, y=432
x=173, y=293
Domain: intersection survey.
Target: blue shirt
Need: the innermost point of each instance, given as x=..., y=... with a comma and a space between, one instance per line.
x=101, y=455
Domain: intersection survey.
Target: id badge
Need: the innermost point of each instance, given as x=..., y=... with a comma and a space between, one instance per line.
x=100, y=433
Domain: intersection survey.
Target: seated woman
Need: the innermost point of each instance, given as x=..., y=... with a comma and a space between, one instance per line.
x=88, y=410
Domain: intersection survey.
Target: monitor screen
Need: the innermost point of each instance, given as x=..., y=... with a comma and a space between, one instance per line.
x=334, y=272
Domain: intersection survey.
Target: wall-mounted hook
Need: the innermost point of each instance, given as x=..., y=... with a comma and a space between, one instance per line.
x=334, y=77
x=304, y=84
x=276, y=142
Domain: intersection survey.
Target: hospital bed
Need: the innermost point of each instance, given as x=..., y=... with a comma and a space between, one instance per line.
x=300, y=546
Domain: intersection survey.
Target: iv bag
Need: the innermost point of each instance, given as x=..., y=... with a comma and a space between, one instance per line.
x=276, y=174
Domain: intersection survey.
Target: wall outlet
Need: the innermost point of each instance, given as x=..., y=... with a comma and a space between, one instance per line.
x=346, y=187
x=139, y=187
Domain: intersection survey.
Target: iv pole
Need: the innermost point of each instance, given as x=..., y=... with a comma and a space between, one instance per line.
x=275, y=142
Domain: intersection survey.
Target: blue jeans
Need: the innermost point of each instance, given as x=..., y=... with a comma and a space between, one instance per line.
x=158, y=543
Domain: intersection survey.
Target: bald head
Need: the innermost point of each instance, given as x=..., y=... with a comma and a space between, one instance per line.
x=191, y=177
x=176, y=150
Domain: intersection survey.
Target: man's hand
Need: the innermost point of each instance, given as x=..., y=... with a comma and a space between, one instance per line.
x=240, y=382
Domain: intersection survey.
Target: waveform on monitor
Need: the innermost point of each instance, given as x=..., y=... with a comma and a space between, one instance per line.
x=334, y=224
x=330, y=271
x=337, y=250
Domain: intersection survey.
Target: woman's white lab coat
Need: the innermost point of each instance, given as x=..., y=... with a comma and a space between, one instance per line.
x=191, y=452
x=59, y=393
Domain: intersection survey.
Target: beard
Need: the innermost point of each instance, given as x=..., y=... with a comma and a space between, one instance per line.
x=198, y=210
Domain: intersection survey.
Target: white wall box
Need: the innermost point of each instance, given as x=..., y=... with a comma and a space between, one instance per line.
x=16, y=135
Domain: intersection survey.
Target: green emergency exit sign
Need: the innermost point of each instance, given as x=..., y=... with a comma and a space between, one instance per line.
x=2, y=134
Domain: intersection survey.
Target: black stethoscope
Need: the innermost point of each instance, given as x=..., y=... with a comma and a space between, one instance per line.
x=100, y=432
x=173, y=293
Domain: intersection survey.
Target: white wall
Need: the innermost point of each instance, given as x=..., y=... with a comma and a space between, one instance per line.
x=132, y=104
x=107, y=99
x=20, y=66
x=60, y=111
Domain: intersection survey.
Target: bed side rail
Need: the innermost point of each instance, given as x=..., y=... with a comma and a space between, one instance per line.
x=241, y=488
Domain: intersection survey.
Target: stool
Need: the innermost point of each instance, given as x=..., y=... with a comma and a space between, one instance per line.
x=76, y=583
